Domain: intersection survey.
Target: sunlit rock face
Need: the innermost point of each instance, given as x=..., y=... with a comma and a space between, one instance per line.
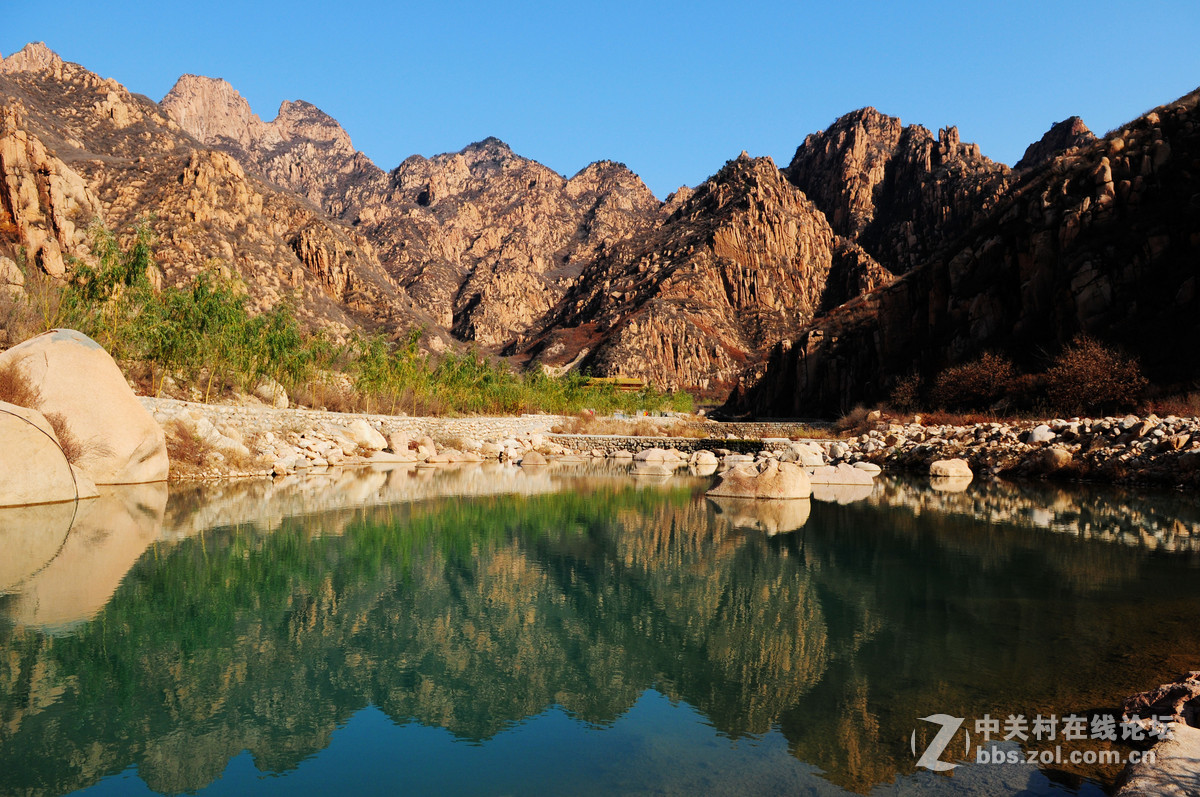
x=1099, y=240
x=740, y=264
x=75, y=147
x=898, y=191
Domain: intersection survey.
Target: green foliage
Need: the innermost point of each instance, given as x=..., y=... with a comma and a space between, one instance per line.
x=205, y=332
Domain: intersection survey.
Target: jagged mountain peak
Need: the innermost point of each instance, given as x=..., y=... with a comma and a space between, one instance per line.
x=606, y=176
x=211, y=109
x=895, y=190
x=302, y=119
x=1062, y=136
x=33, y=57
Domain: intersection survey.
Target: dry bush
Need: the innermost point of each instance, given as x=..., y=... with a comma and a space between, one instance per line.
x=1184, y=406
x=16, y=387
x=906, y=395
x=973, y=385
x=72, y=447
x=1089, y=377
x=854, y=421
x=186, y=451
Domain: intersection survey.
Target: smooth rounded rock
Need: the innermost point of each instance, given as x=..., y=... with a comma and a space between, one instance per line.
x=37, y=471
x=774, y=480
x=77, y=379
x=950, y=469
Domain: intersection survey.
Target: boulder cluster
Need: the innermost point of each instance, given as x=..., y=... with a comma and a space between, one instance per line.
x=1132, y=448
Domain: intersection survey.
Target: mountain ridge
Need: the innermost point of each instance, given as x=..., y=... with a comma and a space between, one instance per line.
x=705, y=291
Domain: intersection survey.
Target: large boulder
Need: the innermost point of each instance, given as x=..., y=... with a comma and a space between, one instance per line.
x=78, y=380
x=36, y=471
x=366, y=435
x=771, y=479
x=950, y=469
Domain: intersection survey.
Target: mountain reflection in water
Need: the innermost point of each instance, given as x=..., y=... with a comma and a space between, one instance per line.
x=172, y=635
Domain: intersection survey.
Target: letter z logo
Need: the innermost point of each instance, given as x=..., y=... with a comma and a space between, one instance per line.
x=931, y=758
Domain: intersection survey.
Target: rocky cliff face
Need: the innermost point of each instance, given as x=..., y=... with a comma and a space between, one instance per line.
x=899, y=192
x=76, y=148
x=487, y=241
x=1065, y=135
x=483, y=240
x=740, y=264
x=1104, y=240
x=302, y=150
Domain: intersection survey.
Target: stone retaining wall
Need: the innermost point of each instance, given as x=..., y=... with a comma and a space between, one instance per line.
x=610, y=443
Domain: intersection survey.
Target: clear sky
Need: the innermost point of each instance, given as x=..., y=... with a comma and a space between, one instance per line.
x=671, y=89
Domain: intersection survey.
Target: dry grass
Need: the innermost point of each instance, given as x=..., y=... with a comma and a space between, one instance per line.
x=187, y=453
x=72, y=447
x=16, y=388
x=1184, y=406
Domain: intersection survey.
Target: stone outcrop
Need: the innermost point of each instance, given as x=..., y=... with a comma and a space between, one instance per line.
x=35, y=471
x=1102, y=241
x=771, y=479
x=1068, y=134
x=45, y=206
x=739, y=265
x=120, y=443
x=897, y=191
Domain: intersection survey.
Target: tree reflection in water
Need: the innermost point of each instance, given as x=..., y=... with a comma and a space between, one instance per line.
x=472, y=614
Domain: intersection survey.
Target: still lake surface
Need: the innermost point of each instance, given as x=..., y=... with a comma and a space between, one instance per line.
x=492, y=631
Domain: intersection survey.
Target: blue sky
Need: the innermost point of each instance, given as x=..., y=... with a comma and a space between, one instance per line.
x=671, y=89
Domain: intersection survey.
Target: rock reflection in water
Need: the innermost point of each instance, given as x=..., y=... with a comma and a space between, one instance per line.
x=107, y=536
x=768, y=517
x=30, y=537
x=295, y=608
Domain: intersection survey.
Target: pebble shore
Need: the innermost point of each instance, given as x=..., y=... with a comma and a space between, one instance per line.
x=261, y=440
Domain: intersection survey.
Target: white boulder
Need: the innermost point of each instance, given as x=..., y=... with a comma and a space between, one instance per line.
x=770, y=480
x=36, y=470
x=950, y=469
x=366, y=435
x=77, y=379
x=841, y=473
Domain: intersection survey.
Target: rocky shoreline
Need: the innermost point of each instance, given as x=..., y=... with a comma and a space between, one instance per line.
x=255, y=440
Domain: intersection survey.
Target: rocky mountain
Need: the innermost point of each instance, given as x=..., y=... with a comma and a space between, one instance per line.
x=739, y=264
x=76, y=149
x=1065, y=135
x=896, y=191
x=484, y=240
x=487, y=241
x=879, y=250
x=1103, y=240
x=302, y=150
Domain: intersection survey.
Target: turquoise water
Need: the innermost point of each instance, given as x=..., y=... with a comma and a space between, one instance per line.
x=494, y=632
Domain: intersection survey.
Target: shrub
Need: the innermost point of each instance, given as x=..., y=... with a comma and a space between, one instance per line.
x=16, y=388
x=906, y=395
x=1088, y=377
x=974, y=385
